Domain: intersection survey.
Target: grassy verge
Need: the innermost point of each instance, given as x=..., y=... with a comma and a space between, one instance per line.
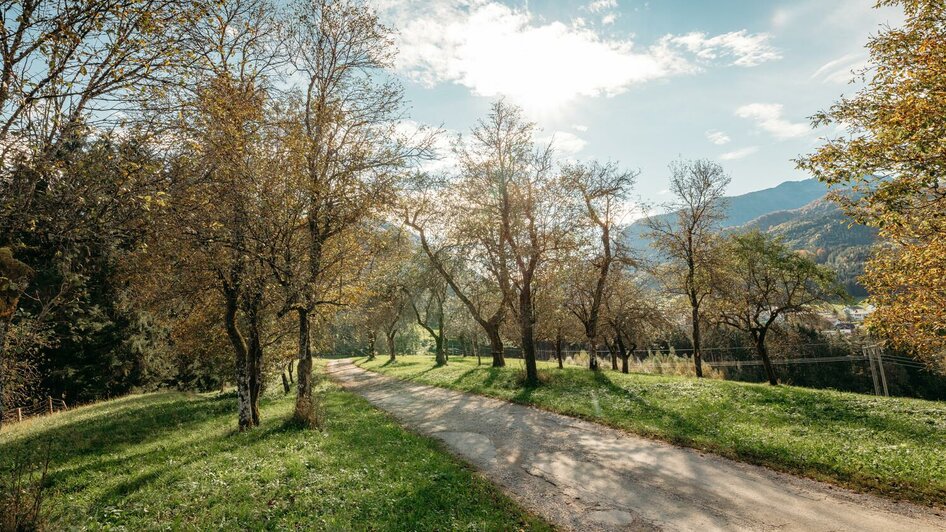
x=892, y=446
x=173, y=460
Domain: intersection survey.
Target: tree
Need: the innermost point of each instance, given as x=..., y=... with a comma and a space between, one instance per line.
x=556, y=323
x=765, y=282
x=352, y=148
x=601, y=189
x=516, y=217
x=688, y=239
x=633, y=316
x=888, y=171
x=216, y=174
x=427, y=295
x=447, y=247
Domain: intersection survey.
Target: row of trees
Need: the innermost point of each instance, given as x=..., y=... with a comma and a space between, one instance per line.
x=532, y=249
x=188, y=185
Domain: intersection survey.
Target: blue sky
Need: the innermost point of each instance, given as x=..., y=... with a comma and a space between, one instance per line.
x=641, y=82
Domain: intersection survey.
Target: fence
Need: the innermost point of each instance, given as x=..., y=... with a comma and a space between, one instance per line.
x=39, y=408
x=854, y=365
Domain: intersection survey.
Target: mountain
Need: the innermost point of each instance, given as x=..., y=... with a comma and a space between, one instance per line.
x=804, y=218
x=747, y=207
x=822, y=229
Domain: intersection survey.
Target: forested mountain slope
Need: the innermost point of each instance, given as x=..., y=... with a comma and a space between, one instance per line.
x=799, y=212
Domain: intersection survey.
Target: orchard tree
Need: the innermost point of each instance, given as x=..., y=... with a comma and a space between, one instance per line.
x=222, y=156
x=601, y=190
x=688, y=238
x=765, y=282
x=427, y=293
x=893, y=158
x=352, y=147
x=516, y=215
x=448, y=247
x=634, y=317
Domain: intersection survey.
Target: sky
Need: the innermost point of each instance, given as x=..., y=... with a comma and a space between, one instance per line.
x=641, y=83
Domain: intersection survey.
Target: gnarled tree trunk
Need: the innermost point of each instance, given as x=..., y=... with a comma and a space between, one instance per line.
x=763, y=352
x=391, y=337
x=305, y=408
x=496, y=346
x=527, y=324
x=241, y=359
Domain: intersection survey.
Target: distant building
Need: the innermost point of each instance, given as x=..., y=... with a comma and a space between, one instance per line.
x=859, y=313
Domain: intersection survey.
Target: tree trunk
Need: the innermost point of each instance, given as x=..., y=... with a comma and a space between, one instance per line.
x=496, y=346
x=285, y=383
x=558, y=350
x=476, y=350
x=391, y=336
x=763, y=353
x=372, y=338
x=697, y=353
x=527, y=323
x=440, y=356
x=592, y=355
x=241, y=360
x=625, y=353
x=290, y=368
x=612, y=350
x=305, y=408
x=255, y=355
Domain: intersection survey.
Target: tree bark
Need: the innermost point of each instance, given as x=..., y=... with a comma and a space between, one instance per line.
x=558, y=350
x=372, y=338
x=527, y=324
x=592, y=355
x=625, y=353
x=697, y=353
x=285, y=383
x=241, y=359
x=612, y=350
x=255, y=354
x=763, y=353
x=391, y=336
x=496, y=346
x=440, y=356
x=292, y=379
x=305, y=408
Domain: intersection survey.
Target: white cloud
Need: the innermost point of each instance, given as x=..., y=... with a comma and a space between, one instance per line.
x=738, y=154
x=580, y=127
x=741, y=47
x=768, y=117
x=565, y=143
x=718, y=138
x=601, y=5
x=609, y=18
x=840, y=70
x=494, y=50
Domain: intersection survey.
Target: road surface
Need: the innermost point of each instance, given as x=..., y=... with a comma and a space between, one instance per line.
x=584, y=476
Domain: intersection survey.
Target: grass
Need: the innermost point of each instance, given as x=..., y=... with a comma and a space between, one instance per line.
x=174, y=461
x=891, y=446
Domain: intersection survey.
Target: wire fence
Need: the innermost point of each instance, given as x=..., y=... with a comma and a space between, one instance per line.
x=854, y=364
x=39, y=408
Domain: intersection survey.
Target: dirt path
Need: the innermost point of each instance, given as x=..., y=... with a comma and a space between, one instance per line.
x=584, y=476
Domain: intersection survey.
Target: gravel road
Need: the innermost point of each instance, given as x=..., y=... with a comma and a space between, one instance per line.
x=584, y=476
